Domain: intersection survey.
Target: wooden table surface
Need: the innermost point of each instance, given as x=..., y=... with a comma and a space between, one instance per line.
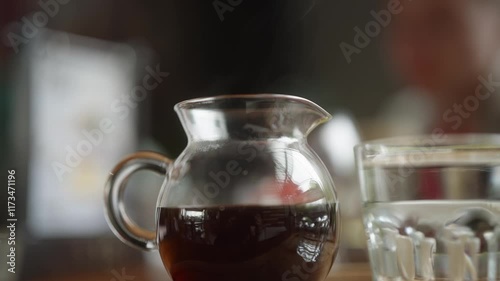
x=340, y=272
x=350, y=272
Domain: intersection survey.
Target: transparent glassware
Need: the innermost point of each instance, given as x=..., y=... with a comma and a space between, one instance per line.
x=431, y=206
x=247, y=194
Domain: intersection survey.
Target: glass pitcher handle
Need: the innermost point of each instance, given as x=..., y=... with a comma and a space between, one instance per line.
x=121, y=224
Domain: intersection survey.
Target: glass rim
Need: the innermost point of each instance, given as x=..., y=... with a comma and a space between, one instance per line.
x=425, y=150
x=446, y=142
x=197, y=102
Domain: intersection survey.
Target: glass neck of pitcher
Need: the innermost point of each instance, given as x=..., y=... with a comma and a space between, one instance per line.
x=249, y=117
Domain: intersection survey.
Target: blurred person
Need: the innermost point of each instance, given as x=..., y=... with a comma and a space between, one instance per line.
x=446, y=53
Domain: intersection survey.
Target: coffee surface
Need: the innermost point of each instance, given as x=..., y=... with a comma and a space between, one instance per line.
x=248, y=243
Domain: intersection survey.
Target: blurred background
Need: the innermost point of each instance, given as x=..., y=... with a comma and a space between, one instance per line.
x=83, y=83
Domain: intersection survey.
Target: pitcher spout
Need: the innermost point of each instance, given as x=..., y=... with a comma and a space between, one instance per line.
x=312, y=116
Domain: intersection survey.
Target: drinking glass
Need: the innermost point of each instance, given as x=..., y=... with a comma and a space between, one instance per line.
x=431, y=209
